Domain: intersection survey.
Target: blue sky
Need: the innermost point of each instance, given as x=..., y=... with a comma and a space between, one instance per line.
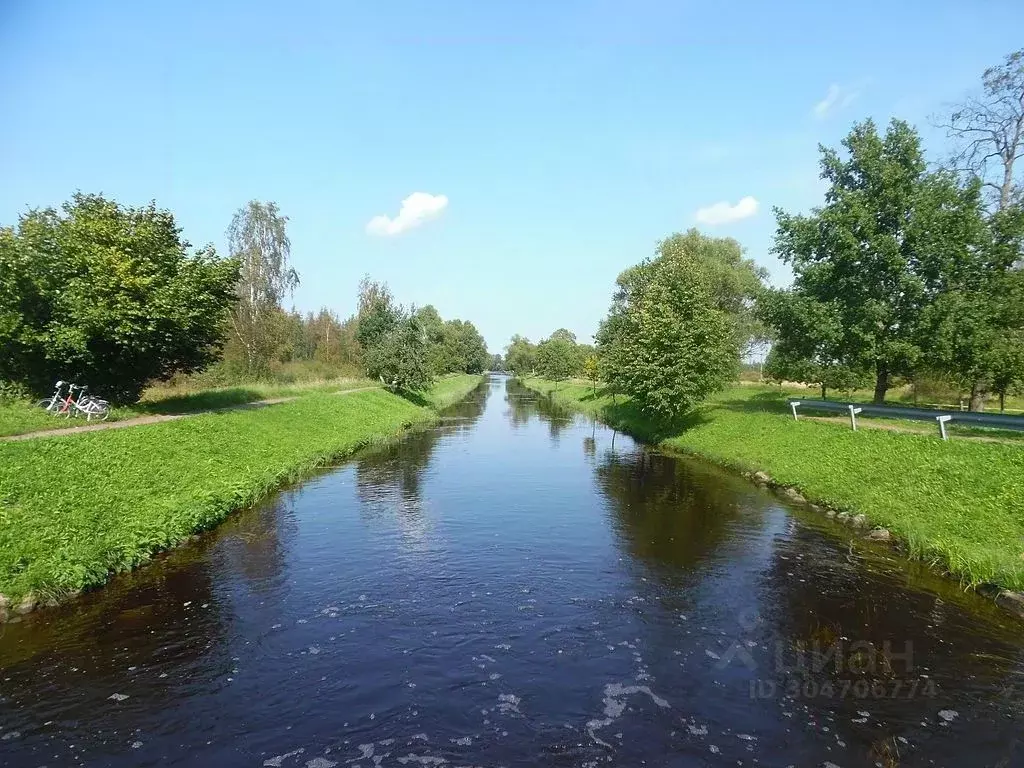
x=566, y=138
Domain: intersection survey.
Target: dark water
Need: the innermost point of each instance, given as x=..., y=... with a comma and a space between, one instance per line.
x=518, y=587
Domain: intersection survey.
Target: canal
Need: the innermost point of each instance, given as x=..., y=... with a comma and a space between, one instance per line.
x=518, y=586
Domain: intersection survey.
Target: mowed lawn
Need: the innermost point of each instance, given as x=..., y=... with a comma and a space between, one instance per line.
x=76, y=508
x=958, y=504
x=22, y=416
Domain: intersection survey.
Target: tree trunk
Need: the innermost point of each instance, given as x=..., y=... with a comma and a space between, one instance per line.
x=978, y=395
x=1006, y=188
x=824, y=392
x=1002, y=402
x=881, y=383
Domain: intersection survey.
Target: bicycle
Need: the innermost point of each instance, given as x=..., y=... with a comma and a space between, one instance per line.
x=87, y=405
x=53, y=403
x=91, y=406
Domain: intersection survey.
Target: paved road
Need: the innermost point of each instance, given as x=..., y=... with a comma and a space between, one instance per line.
x=908, y=429
x=156, y=419
x=961, y=418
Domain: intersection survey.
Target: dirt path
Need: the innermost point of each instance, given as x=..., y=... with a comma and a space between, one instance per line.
x=156, y=419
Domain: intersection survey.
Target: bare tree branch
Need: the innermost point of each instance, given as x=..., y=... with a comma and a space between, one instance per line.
x=990, y=130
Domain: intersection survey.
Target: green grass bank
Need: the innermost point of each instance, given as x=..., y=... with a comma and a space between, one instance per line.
x=74, y=509
x=22, y=416
x=956, y=504
x=451, y=389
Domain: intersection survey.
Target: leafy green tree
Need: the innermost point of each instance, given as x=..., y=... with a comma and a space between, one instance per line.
x=466, y=350
x=781, y=365
x=968, y=342
x=734, y=280
x=673, y=335
x=592, y=370
x=975, y=294
x=497, y=364
x=317, y=337
x=455, y=345
x=26, y=291
x=988, y=132
x=326, y=339
x=808, y=343
x=1008, y=366
x=860, y=254
x=400, y=359
x=108, y=295
x=257, y=238
x=565, y=334
x=521, y=356
x=585, y=351
x=557, y=358
x=437, y=350
x=378, y=314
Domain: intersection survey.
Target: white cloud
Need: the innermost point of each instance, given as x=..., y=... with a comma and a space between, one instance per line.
x=417, y=208
x=837, y=97
x=724, y=213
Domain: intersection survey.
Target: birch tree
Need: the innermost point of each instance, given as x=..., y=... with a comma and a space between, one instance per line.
x=257, y=238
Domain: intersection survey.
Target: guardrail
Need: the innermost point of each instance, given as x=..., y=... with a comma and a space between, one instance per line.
x=940, y=417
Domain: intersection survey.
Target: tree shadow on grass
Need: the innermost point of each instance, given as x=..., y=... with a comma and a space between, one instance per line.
x=416, y=398
x=200, y=401
x=762, y=402
x=648, y=427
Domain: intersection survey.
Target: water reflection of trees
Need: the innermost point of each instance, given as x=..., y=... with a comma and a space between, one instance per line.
x=521, y=402
x=836, y=622
x=525, y=403
x=463, y=414
x=254, y=541
x=394, y=474
x=666, y=511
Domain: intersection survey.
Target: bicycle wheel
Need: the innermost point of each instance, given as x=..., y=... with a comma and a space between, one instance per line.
x=47, y=404
x=96, y=411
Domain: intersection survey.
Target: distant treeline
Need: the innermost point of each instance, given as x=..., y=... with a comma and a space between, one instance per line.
x=906, y=273
x=113, y=296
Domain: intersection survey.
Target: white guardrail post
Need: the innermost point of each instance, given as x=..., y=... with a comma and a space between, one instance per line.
x=853, y=416
x=942, y=425
x=793, y=405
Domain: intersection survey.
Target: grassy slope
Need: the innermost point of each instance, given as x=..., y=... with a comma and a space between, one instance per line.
x=24, y=416
x=451, y=389
x=958, y=504
x=73, y=509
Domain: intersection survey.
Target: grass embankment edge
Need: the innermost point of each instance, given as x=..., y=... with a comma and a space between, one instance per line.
x=23, y=416
x=957, y=505
x=451, y=389
x=128, y=495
